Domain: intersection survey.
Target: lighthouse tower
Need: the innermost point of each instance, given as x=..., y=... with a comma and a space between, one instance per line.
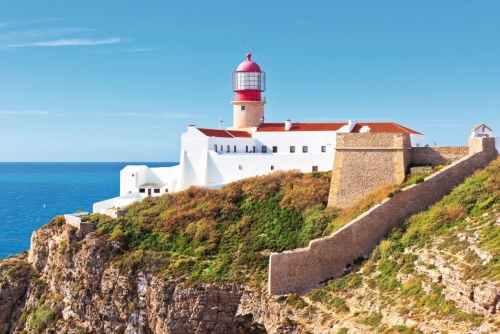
x=248, y=105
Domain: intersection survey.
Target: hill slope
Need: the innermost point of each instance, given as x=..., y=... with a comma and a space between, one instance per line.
x=196, y=262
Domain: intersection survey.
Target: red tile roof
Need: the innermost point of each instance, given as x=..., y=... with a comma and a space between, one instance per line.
x=272, y=127
x=224, y=133
x=389, y=127
x=240, y=134
x=384, y=127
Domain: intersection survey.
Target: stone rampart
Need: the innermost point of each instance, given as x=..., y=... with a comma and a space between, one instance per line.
x=437, y=155
x=365, y=162
x=307, y=268
x=83, y=227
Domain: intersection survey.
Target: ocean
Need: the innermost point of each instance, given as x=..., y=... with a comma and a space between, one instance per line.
x=31, y=194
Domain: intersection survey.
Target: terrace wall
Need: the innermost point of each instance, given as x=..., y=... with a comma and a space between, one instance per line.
x=303, y=269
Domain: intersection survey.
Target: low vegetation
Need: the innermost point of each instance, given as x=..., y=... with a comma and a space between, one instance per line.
x=225, y=234
x=472, y=210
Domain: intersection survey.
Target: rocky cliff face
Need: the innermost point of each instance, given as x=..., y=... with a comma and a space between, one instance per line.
x=68, y=283
x=77, y=282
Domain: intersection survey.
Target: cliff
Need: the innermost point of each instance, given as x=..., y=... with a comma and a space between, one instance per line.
x=437, y=274
x=69, y=284
x=151, y=272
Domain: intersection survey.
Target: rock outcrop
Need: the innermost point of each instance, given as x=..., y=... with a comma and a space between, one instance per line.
x=67, y=284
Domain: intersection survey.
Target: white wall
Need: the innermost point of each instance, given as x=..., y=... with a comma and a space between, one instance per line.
x=482, y=131
x=283, y=140
x=133, y=177
x=130, y=177
x=226, y=168
x=116, y=202
x=240, y=143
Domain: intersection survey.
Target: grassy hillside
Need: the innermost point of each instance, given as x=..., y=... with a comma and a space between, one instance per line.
x=430, y=270
x=225, y=234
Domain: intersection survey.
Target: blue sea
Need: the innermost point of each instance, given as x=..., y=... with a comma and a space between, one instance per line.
x=31, y=194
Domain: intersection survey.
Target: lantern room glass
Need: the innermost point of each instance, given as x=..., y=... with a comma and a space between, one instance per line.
x=249, y=81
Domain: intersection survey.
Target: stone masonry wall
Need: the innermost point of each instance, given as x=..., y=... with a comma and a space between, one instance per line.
x=83, y=227
x=437, y=155
x=363, y=171
x=304, y=269
x=251, y=116
x=365, y=162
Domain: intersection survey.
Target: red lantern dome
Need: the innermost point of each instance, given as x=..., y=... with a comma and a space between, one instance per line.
x=249, y=81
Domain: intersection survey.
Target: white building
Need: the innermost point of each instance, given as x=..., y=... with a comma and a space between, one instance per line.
x=482, y=130
x=215, y=157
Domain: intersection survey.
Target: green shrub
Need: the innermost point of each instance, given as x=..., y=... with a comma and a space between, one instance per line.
x=289, y=322
x=41, y=318
x=296, y=301
x=374, y=319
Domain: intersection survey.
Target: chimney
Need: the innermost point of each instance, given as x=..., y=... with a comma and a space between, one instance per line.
x=288, y=124
x=351, y=124
x=364, y=129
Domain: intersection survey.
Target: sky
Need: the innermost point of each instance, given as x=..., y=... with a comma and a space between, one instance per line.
x=122, y=80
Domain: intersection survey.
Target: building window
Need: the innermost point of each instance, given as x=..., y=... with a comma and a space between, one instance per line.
x=275, y=149
x=315, y=168
x=133, y=175
x=215, y=148
x=246, y=149
x=272, y=167
x=142, y=190
x=253, y=150
x=264, y=149
x=323, y=149
x=243, y=108
x=292, y=149
x=157, y=191
x=304, y=149
x=222, y=148
x=228, y=149
x=240, y=167
x=166, y=190
x=234, y=148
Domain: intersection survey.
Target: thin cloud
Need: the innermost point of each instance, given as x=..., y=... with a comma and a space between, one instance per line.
x=65, y=42
x=445, y=120
x=140, y=50
x=37, y=33
x=449, y=125
x=162, y=115
x=26, y=22
x=165, y=127
x=24, y=113
x=124, y=50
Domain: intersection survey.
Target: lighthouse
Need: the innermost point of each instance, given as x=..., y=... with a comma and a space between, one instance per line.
x=248, y=105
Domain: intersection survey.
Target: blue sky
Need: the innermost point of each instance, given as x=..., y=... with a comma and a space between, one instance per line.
x=121, y=81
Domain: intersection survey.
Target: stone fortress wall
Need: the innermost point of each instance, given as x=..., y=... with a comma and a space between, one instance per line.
x=307, y=268
x=437, y=155
x=367, y=161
